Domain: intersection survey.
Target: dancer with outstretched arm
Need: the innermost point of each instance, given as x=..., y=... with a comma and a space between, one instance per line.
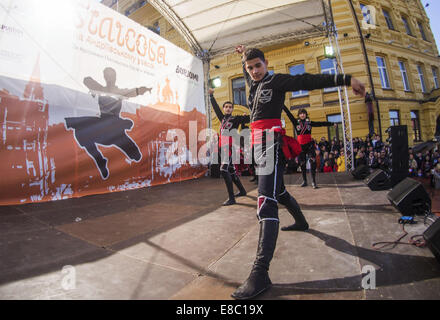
x=266, y=100
x=303, y=128
x=228, y=122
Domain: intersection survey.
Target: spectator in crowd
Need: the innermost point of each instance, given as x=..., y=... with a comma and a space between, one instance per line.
x=435, y=159
x=379, y=144
x=324, y=144
x=327, y=167
x=324, y=158
x=412, y=166
x=373, y=153
x=373, y=141
x=435, y=180
x=419, y=159
x=372, y=160
x=360, y=159
x=318, y=159
x=426, y=167
x=340, y=162
x=334, y=146
x=383, y=161
x=332, y=161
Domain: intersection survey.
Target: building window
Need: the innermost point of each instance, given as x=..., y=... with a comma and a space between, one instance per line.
x=422, y=31
x=155, y=28
x=297, y=70
x=388, y=19
x=435, y=76
x=335, y=132
x=328, y=66
x=415, y=121
x=366, y=13
x=421, y=78
x=383, y=73
x=407, y=26
x=394, y=118
x=239, y=91
x=404, y=74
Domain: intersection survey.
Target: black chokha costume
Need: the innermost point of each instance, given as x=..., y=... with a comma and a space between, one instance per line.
x=227, y=170
x=266, y=101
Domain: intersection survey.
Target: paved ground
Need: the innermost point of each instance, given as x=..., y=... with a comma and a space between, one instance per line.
x=177, y=242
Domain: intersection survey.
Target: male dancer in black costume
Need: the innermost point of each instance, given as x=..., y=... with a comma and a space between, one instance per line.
x=266, y=100
x=227, y=123
x=303, y=128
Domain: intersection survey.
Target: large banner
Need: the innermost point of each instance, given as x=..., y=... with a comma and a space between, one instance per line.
x=88, y=99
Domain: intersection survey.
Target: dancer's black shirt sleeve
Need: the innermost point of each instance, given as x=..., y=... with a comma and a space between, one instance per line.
x=307, y=81
x=266, y=97
x=289, y=115
x=234, y=121
x=216, y=108
x=321, y=123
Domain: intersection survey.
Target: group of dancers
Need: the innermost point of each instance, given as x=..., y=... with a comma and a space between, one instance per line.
x=266, y=103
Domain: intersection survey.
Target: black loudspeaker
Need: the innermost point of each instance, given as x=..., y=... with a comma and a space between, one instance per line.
x=378, y=180
x=399, y=155
x=410, y=198
x=432, y=238
x=361, y=172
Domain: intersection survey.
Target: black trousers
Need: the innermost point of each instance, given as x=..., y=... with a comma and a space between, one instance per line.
x=308, y=149
x=271, y=187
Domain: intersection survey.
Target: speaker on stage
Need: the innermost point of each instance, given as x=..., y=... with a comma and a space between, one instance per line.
x=410, y=198
x=399, y=155
x=432, y=238
x=378, y=180
x=361, y=172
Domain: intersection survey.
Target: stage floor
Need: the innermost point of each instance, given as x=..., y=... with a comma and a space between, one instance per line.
x=177, y=242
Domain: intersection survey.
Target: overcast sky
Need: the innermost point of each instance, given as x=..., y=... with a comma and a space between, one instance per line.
x=432, y=10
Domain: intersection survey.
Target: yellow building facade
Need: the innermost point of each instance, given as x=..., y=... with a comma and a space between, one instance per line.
x=392, y=37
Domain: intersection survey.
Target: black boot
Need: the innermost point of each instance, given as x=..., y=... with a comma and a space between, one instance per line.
x=230, y=188
x=314, y=185
x=304, y=175
x=242, y=190
x=258, y=280
x=293, y=207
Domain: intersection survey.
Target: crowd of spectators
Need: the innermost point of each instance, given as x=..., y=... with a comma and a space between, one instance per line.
x=372, y=152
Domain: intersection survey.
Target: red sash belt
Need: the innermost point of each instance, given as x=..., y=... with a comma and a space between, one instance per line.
x=304, y=138
x=225, y=141
x=291, y=147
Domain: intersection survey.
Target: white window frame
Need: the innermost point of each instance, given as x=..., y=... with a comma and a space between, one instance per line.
x=388, y=19
x=421, y=78
x=404, y=74
x=383, y=73
x=300, y=93
x=435, y=77
x=364, y=16
x=240, y=90
x=329, y=71
x=407, y=26
x=422, y=30
x=398, y=117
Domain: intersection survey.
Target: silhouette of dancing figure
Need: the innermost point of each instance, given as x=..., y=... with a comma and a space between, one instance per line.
x=108, y=129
